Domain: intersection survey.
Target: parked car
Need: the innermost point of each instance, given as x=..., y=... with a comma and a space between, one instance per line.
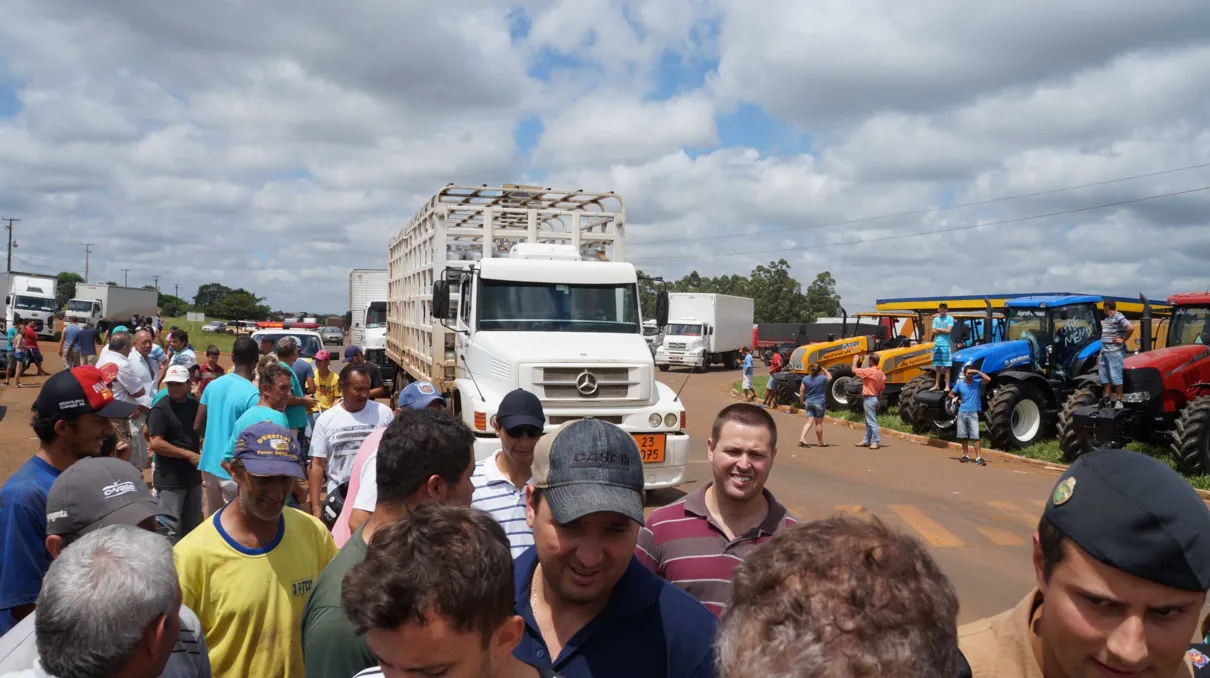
x=214, y=326
x=332, y=335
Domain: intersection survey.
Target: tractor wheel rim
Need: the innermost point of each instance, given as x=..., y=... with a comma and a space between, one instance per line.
x=1026, y=420
x=838, y=388
x=944, y=424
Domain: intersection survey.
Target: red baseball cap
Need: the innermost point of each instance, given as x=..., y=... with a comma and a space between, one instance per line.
x=82, y=389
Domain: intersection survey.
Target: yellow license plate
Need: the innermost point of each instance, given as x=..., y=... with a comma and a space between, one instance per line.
x=651, y=446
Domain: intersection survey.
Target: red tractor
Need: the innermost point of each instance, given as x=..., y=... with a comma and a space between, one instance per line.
x=1166, y=396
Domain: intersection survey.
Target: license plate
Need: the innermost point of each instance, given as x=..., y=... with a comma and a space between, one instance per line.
x=651, y=446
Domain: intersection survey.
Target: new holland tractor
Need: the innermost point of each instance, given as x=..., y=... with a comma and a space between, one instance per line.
x=1051, y=349
x=970, y=329
x=1166, y=397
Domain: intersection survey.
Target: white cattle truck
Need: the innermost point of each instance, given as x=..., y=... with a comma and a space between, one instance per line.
x=366, y=285
x=30, y=296
x=705, y=330
x=495, y=289
x=105, y=306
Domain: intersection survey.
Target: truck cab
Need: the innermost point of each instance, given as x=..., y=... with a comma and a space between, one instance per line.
x=374, y=336
x=652, y=334
x=685, y=343
x=32, y=298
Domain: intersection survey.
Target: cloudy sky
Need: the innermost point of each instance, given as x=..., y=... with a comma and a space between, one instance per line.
x=275, y=144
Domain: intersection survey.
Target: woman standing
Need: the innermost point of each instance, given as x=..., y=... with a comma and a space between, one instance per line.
x=812, y=393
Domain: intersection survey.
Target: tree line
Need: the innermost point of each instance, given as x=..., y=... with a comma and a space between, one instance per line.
x=778, y=297
x=214, y=299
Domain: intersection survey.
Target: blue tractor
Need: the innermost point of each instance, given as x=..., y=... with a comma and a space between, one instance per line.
x=1051, y=349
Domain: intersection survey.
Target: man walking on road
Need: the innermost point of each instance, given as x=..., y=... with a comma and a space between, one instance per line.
x=873, y=381
x=500, y=479
x=590, y=607
x=969, y=393
x=749, y=374
x=696, y=542
x=224, y=402
x=1122, y=568
x=67, y=345
x=177, y=447
x=1116, y=330
x=943, y=325
x=339, y=433
x=86, y=341
x=813, y=392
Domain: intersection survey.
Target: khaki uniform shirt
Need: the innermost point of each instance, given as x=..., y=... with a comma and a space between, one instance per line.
x=999, y=646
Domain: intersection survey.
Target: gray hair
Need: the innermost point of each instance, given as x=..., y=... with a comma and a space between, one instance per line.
x=99, y=596
x=119, y=342
x=287, y=345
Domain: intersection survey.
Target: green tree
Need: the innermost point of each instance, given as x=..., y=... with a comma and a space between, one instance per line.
x=778, y=296
x=240, y=304
x=112, y=283
x=172, y=306
x=209, y=294
x=149, y=287
x=647, y=291
x=822, y=299
x=65, y=287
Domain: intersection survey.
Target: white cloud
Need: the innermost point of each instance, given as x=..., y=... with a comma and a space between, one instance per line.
x=612, y=128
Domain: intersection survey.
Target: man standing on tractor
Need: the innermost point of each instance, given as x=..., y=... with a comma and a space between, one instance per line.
x=1115, y=331
x=969, y=392
x=943, y=324
x=873, y=381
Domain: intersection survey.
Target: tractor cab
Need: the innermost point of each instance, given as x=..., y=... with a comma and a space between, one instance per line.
x=1166, y=393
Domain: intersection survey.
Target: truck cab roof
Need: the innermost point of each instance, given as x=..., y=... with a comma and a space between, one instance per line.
x=546, y=271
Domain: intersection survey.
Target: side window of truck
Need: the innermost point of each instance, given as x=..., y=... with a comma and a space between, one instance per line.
x=464, y=304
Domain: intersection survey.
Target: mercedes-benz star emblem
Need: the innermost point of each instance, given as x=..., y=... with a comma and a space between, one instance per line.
x=586, y=383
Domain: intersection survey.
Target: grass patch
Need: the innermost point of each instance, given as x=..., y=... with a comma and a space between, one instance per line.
x=200, y=339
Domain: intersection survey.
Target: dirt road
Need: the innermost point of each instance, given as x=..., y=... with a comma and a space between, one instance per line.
x=977, y=521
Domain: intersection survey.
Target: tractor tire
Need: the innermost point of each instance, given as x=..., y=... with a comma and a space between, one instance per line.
x=907, y=398
x=663, y=368
x=1070, y=441
x=1016, y=417
x=837, y=400
x=1191, y=437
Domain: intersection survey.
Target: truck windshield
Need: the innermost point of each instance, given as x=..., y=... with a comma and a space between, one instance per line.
x=1022, y=320
x=1188, y=326
x=23, y=303
x=80, y=305
x=376, y=314
x=505, y=305
x=679, y=330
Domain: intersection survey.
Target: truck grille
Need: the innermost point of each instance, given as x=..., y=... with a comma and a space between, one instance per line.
x=677, y=345
x=580, y=383
x=378, y=357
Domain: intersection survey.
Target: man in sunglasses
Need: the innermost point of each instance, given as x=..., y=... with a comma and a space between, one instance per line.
x=500, y=479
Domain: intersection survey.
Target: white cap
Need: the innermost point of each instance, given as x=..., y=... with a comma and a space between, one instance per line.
x=177, y=374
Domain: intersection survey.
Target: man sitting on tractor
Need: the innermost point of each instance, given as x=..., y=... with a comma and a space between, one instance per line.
x=1115, y=331
x=943, y=324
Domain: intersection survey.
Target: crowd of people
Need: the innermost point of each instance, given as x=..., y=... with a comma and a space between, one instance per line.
x=406, y=557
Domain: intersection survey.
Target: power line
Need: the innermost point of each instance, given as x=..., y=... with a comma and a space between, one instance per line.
x=920, y=233
x=125, y=277
x=925, y=211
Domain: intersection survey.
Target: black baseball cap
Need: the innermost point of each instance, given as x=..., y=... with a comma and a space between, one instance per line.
x=1133, y=513
x=589, y=466
x=520, y=408
x=97, y=492
x=79, y=390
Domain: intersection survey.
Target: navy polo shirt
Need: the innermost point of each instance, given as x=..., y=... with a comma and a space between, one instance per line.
x=649, y=629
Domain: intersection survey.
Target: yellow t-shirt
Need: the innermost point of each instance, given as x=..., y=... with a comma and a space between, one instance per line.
x=250, y=601
x=327, y=389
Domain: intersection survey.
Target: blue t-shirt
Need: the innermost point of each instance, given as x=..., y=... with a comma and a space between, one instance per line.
x=303, y=370
x=295, y=414
x=69, y=337
x=9, y=335
x=23, y=533
x=254, y=415
x=86, y=340
x=969, y=393
x=649, y=629
x=816, y=389
x=157, y=354
x=939, y=323
x=748, y=369
x=226, y=399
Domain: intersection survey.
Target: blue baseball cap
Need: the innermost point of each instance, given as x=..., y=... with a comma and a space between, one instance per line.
x=419, y=395
x=120, y=328
x=269, y=450
x=351, y=351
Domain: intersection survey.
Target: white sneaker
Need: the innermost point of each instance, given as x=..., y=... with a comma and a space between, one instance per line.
x=1117, y=405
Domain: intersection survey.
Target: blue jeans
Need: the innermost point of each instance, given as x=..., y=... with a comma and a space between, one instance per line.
x=871, y=420
x=1109, y=367
x=968, y=425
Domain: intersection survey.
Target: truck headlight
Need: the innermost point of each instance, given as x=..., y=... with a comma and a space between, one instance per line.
x=1136, y=397
x=670, y=420
x=654, y=420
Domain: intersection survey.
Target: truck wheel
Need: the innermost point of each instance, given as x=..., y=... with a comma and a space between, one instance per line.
x=1016, y=417
x=1070, y=441
x=1191, y=438
x=731, y=360
x=663, y=368
x=841, y=374
x=907, y=398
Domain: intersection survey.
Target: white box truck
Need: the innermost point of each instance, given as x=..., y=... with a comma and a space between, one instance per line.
x=500, y=288
x=366, y=285
x=105, y=306
x=705, y=330
x=30, y=296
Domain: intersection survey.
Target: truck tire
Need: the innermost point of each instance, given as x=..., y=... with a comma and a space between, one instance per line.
x=663, y=368
x=907, y=398
x=731, y=360
x=1016, y=417
x=1191, y=437
x=836, y=397
x=1070, y=441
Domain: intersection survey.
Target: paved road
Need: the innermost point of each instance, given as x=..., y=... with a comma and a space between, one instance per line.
x=977, y=522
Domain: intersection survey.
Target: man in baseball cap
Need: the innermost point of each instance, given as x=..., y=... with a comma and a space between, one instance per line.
x=92, y=494
x=355, y=356
x=420, y=395
x=71, y=421
x=585, y=505
x=500, y=479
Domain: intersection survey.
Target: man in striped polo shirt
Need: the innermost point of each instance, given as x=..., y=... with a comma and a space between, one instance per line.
x=697, y=542
x=500, y=479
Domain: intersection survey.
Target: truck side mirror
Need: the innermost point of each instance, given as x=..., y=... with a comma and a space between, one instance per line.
x=441, y=299
x=661, y=309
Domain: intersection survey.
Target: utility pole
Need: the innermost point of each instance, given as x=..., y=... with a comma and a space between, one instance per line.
x=176, y=290
x=125, y=277
x=87, y=251
x=10, y=221
x=156, y=278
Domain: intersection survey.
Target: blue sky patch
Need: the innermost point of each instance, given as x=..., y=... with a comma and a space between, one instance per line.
x=10, y=103
x=751, y=127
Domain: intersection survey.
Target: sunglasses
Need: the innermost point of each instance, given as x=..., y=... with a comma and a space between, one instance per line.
x=524, y=432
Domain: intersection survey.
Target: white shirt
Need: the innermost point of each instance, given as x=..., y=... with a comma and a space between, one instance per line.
x=128, y=380
x=142, y=367
x=338, y=434
x=496, y=495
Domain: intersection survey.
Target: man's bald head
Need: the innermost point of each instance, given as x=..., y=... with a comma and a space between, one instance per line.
x=142, y=342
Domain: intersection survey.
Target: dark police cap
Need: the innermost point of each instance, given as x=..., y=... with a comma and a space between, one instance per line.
x=1135, y=514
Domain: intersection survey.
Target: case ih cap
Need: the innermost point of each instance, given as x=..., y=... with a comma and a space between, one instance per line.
x=589, y=466
x=82, y=389
x=97, y=492
x=269, y=450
